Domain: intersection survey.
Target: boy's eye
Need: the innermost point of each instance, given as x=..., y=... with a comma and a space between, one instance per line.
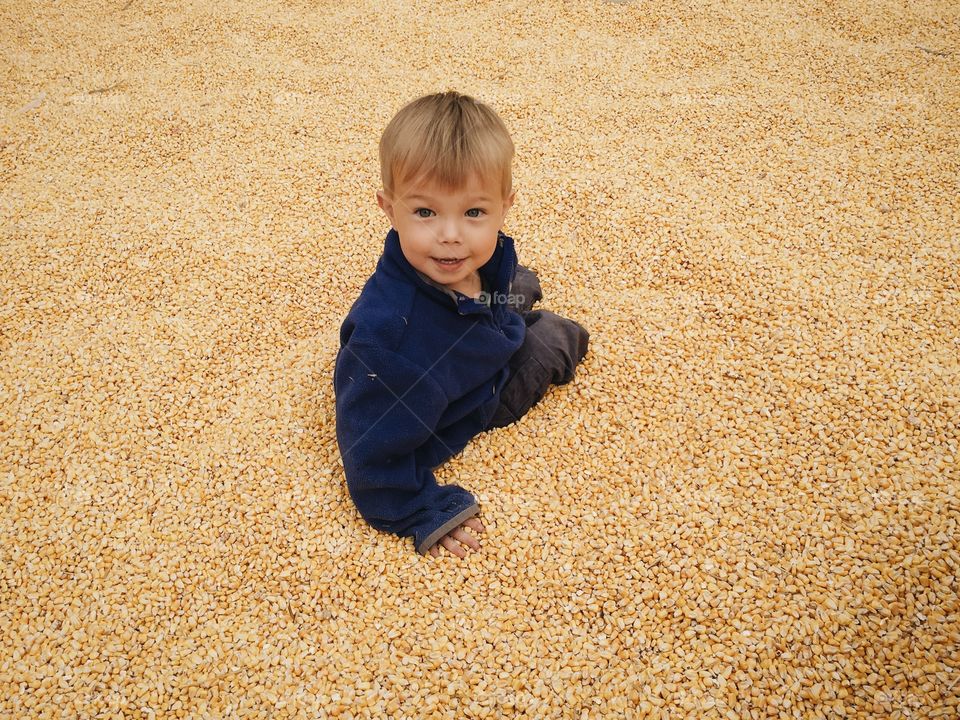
x=478, y=212
x=423, y=212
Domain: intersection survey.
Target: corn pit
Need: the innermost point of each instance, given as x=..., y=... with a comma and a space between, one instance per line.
x=744, y=506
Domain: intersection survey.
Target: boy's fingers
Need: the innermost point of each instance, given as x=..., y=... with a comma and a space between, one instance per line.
x=475, y=524
x=466, y=538
x=453, y=540
x=453, y=546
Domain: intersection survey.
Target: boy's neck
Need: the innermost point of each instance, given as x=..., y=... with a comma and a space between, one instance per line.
x=475, y=291
x=471, y=286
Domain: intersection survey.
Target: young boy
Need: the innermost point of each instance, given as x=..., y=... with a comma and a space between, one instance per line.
x=441, y=344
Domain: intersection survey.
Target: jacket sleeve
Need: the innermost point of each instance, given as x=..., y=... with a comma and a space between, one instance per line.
x=387, y=408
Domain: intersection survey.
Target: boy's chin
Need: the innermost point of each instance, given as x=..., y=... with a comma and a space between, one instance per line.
x=447, y=278
x=445, y=281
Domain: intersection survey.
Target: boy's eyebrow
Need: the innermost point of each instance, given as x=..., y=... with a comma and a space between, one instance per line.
x=475, y=198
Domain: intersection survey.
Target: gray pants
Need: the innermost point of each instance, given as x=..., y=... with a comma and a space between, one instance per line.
x=551, y=350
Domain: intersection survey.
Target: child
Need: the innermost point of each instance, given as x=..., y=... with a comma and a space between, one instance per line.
x=441, y=344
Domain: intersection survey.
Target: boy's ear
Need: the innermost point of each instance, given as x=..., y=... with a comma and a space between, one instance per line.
x=384, y=202
x=508, y=202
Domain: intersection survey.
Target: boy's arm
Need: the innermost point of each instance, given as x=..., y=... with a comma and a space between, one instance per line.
x=387, y=407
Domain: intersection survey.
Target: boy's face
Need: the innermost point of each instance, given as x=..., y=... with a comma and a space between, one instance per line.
x=448, y=234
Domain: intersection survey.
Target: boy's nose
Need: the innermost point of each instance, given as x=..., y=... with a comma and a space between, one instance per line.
x=450, y=232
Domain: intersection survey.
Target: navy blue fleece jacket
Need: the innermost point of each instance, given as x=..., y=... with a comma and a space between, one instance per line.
x=418, y=374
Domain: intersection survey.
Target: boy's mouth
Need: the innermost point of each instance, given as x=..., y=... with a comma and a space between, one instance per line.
x=449, y=263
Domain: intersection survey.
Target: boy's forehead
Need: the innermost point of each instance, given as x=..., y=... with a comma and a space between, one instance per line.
x=428, y=188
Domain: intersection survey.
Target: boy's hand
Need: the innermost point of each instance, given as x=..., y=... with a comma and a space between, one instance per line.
x=449, y=541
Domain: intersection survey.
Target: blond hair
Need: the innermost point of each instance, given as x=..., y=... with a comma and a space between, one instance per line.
x=445, y=137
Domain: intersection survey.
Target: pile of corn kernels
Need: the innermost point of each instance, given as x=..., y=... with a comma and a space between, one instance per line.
x=744, y=506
